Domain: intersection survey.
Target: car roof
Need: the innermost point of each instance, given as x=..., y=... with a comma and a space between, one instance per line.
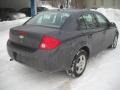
x=73, y=11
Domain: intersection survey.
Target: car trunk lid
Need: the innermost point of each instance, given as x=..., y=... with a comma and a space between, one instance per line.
x=29, y=36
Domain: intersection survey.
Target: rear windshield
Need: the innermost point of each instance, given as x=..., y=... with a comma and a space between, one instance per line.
x=49, y=19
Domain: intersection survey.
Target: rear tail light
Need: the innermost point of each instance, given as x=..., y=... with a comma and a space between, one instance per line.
x=49, y=43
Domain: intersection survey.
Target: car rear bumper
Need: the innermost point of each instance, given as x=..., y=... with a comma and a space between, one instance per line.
x=43, y=60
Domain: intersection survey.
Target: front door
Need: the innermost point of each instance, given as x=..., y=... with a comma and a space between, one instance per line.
x=95, y=35
x=108, y=31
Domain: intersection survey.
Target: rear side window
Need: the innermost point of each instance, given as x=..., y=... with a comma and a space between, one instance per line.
x=90, y=21
x=101, y=20
x=49, y=19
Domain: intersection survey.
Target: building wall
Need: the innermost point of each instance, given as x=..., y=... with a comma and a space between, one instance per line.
x=17, y=4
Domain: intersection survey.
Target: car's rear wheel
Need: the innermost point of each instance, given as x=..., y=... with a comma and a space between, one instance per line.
x=115, y=41
x=79, y=64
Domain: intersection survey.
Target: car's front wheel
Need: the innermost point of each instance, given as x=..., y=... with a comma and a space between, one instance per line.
x=115, y=41
x=79, y=64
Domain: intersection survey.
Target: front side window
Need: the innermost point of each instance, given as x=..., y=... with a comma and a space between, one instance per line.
x=49, y=19
x=81, y=23
x=90, y=21
x=101, y=20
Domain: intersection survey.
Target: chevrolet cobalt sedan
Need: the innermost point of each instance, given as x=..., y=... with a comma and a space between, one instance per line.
x=61, y=40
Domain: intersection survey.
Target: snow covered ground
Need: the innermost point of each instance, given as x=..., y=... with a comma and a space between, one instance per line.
x=102, y=71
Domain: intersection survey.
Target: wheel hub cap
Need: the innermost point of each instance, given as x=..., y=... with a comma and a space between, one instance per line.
x=115, y=41
x=81, y=64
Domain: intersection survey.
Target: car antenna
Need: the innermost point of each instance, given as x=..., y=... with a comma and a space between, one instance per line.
x=61, y=7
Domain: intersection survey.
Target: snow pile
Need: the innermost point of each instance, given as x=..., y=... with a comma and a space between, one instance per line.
x=6, y=25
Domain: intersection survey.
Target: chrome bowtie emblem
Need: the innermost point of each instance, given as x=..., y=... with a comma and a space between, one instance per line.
x=21, y=37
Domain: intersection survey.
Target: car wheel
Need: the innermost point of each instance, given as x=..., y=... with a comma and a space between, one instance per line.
x=115, y=41
x=79, y=64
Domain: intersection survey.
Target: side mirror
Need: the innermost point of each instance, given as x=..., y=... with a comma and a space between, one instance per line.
x=112, y=24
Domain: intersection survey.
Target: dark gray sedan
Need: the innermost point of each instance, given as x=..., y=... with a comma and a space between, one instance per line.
x=61, y=40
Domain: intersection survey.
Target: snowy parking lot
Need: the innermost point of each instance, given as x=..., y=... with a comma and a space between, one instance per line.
x=102, y=71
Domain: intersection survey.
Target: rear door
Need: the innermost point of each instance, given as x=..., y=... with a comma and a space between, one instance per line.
x=94, y=34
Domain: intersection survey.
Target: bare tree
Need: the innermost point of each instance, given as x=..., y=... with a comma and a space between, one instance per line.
x=66, y=3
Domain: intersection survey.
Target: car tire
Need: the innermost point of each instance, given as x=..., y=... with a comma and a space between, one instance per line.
x=115, y=41
x=79, y=64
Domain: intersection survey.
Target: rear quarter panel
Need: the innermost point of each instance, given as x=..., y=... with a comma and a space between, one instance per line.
x=72, y=42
